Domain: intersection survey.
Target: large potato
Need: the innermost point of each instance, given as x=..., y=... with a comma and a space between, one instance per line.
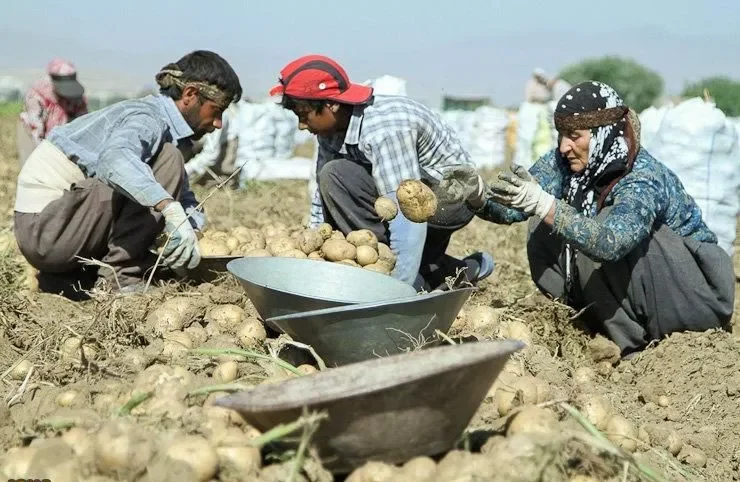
x=378, y=268
x=326, y=230
x=293, y=253
x=363, y=237
x=245, y=248
x=366, y=255
x=338, y=249
x=310, y=241
x=386, y=208
x=278, y=245
x=214, y=247
x=257, y=253
x=416, y=200
x=386, y=256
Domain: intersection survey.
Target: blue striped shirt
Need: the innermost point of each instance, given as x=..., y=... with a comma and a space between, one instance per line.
x=399, y=139
x=116, y=145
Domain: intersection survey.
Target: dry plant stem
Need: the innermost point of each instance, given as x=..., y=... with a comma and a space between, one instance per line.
x=605, y=443
x=283, y=430
x=319, y=361
x=445, y=337
x=228, y=387
x=248, y=354
x=95, y=262
x=187, y=219
x=22, y=389
x=309, y=428
x=133, y=402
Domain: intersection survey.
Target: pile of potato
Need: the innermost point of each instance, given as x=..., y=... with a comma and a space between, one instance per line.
x=359, y=248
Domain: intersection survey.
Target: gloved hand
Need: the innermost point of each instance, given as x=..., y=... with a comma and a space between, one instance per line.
x=519, y=190
x=182, y=249
x=462, y=184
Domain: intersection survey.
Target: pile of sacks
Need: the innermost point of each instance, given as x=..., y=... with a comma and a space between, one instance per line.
x=482, y=133
x=536, y=133
x=700, y=144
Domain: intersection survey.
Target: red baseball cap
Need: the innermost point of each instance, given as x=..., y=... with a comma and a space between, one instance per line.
x=316, y=77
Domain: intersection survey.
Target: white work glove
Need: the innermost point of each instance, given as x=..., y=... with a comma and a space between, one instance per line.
x=519, y=190
x=462, y=184
x=182, y=249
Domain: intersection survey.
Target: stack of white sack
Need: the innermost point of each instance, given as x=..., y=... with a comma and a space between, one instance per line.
x=700, y=144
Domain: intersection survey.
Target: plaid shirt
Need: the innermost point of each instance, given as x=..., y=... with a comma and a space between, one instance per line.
x=44, y=110
x=399, y=139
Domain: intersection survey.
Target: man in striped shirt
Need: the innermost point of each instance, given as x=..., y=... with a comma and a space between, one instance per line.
x=368, y=145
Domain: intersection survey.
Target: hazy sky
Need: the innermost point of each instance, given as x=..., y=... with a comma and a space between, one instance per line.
x=473, y=47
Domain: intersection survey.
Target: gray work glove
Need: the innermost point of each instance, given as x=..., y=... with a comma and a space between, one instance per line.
x=181, y=251
x=462, y=184
x=519, y=190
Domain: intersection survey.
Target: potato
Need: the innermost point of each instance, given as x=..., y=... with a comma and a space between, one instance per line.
x=582, y=478
x=239, y=462
x=378, y=268
x=595, y=409
x=197, y=453
x=20, y=371
x=122, y=448
x=374, y=472
x=338, y=249
x=56, y=460
x=226, y=372
x=386, y=256
x=363, y=237
x=197, y=333
x=275, y=230
x=483, y=317
x=337, y=235
x=307, y=369
x=17, y=461
x=517, y=330
x=532, y=389
x=214, y=247
x=418, y=469
x=82, y=444
x=292, y=253
x=164, y=319
x=584, y=375
x=662, y=436
x=226, y=317
x=316, y=255
x=71, y=350
x=183, y=305
x=242, y=234
x=622, y=432
x=531, y=419
x=277, y=245
x=257, y=253
x=325, y=230
x=176, y=344
x=251, y=332
x=504, y=400
x=232, y=243
x=215, y=234
x=386, y=208
x=245, y=248
x=603, y=350
x=310, y=240
x=68, y=398
x=693, y=456
x=366, y=255
x=349, y=262
x=416, y=200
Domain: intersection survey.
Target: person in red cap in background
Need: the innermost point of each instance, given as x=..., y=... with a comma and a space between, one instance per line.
x=53, y=101
x=368, y=145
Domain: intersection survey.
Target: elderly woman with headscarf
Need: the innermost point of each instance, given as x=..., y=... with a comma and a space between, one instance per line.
x=612, y=229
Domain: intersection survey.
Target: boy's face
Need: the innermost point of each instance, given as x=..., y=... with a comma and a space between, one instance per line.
x=322, y=123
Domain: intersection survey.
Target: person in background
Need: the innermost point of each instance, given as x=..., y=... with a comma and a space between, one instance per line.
x=50, y=102
x=368, y=145
x=105, y=185
x=612, y=230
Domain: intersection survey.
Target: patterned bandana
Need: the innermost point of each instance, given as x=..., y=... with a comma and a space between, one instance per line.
x=172, y=76
x=597, y=107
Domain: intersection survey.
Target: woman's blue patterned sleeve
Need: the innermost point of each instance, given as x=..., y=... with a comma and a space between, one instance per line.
x=549, y=174
x=637, y=204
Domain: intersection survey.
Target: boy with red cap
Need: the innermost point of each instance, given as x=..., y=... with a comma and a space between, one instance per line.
x=368, y=145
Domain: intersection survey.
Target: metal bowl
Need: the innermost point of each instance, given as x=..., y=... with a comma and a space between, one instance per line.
x=353, y=333
x=210, y=268
x=282, y=286
x=388, y=409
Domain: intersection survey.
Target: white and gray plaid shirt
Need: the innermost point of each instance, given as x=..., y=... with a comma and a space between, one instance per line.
x=399, y=138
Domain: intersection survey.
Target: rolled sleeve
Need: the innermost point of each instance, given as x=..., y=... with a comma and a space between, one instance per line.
x=124, y=161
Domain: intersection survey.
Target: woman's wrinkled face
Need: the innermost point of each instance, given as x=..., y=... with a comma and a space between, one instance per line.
x=574, y=147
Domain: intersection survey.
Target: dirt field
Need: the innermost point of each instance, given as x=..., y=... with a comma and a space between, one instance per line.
x=681, y=397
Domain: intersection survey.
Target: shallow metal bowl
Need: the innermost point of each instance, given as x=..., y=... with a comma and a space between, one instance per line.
x=281, y=286
x=353, y=333
x=389, y=409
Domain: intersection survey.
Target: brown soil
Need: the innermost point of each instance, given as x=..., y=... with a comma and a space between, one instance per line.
x=689, y=382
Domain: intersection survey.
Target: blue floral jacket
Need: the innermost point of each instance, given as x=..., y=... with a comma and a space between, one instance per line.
x=649, y=196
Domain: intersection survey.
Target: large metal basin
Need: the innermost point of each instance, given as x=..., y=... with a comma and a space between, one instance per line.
x=389, y=409
x=281, y=286
x=353, y=333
